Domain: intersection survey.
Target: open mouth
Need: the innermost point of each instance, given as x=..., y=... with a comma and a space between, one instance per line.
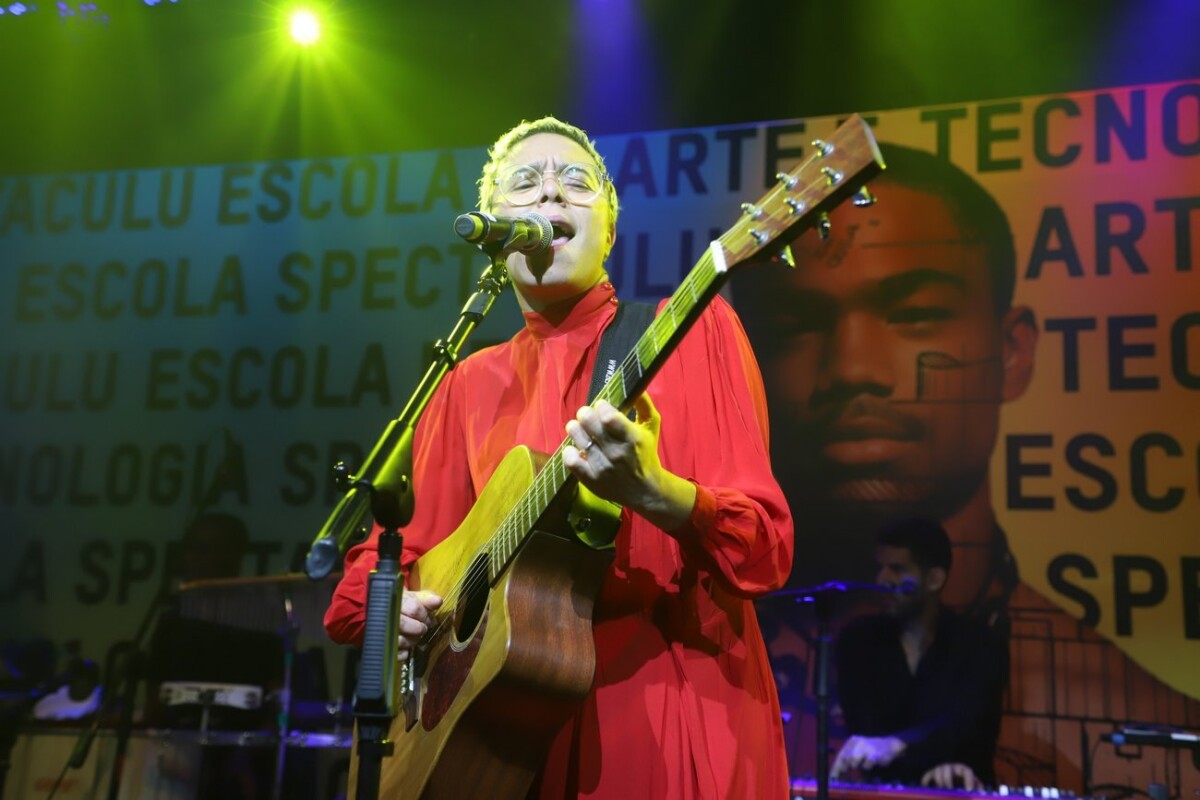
x=563, y=232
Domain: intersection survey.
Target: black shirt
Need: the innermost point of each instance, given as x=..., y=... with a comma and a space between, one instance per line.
x=948, y=711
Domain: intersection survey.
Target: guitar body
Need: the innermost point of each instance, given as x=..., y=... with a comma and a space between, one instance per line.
x=513, y=662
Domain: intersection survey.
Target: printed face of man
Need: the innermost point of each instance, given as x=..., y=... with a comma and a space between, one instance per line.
x=886, y=361
x=575, y=261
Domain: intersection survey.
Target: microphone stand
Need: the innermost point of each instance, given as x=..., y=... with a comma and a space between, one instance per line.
x=822, y=599
x=384, y=487
x=374, y=698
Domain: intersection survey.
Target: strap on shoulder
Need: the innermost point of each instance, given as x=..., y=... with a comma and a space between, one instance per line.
x=618, y=339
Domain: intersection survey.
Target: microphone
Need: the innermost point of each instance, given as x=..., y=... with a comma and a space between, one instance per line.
x=906, y=586
x=531, y=233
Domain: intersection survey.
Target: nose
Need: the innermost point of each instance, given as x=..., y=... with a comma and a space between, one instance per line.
x=551, y=189
x=857, y=353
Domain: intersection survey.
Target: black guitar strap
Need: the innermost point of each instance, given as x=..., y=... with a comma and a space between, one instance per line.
x=617, y=341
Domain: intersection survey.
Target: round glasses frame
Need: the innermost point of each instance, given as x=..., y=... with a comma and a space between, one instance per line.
x=521, y=185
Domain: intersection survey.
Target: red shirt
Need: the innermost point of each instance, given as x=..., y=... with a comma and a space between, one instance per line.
x=683, y=704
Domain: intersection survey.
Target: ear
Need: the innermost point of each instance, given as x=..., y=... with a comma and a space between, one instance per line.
x=1019, y=329
x=612, y=239
x=935, y=579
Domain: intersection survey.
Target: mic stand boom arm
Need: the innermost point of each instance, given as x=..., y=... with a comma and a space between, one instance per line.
x=383, y=485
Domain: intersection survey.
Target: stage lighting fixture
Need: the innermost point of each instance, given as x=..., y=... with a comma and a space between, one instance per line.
x=304, y=27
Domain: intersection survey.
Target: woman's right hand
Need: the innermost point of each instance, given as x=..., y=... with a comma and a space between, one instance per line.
x=415, y=611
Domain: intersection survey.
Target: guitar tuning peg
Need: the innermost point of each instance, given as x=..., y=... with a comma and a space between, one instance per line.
x=341, y=476
x=832, y=176
x=823, y=147
x=796, y=205
x=863, y=197
x=751, y=210
x=784, y=256
x=824, y=228
x=789, y=181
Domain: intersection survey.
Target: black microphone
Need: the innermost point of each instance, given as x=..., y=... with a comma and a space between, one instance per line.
x=906, y=586
x=531, y=233
x=807, y=594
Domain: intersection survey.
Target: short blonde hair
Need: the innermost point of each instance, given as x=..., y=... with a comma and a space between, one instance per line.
x=506, y=143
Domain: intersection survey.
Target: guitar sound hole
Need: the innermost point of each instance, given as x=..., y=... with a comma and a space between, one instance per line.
x=474, y=600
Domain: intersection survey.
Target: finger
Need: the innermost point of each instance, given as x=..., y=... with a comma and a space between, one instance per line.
x=589, y=422
x=839, y=762
x=854, y=758
x=411, y=627
x=404, y=645
x=575, y=457
x=412, y=607
x=573, y=460
x=430, y=600
x=968, y=777
x=584, y=443
x=613, y=425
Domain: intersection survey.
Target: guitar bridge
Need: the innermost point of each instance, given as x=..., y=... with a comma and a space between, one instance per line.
x=409, y=677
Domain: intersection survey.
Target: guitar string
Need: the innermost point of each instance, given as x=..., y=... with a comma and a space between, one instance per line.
x=509, y=534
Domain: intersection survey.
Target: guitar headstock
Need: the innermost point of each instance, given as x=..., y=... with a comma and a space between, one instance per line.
x=836, y=168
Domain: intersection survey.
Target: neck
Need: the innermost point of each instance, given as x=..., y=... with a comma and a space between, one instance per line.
x=919, y=630
x=553, y=305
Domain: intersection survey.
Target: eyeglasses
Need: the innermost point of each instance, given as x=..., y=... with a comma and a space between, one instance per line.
x=522, y=185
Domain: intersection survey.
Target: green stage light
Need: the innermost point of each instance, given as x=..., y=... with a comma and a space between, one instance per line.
x=304, y=27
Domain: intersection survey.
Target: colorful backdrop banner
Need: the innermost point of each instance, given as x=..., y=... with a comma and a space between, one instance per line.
x=215, y=337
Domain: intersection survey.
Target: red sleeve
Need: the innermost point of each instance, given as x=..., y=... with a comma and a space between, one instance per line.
x=444, y=494
x=740, y=528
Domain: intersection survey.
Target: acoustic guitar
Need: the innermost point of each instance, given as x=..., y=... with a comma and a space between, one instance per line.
x=510, y=655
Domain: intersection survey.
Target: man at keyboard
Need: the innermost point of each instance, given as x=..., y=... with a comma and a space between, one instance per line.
x=920, y=686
